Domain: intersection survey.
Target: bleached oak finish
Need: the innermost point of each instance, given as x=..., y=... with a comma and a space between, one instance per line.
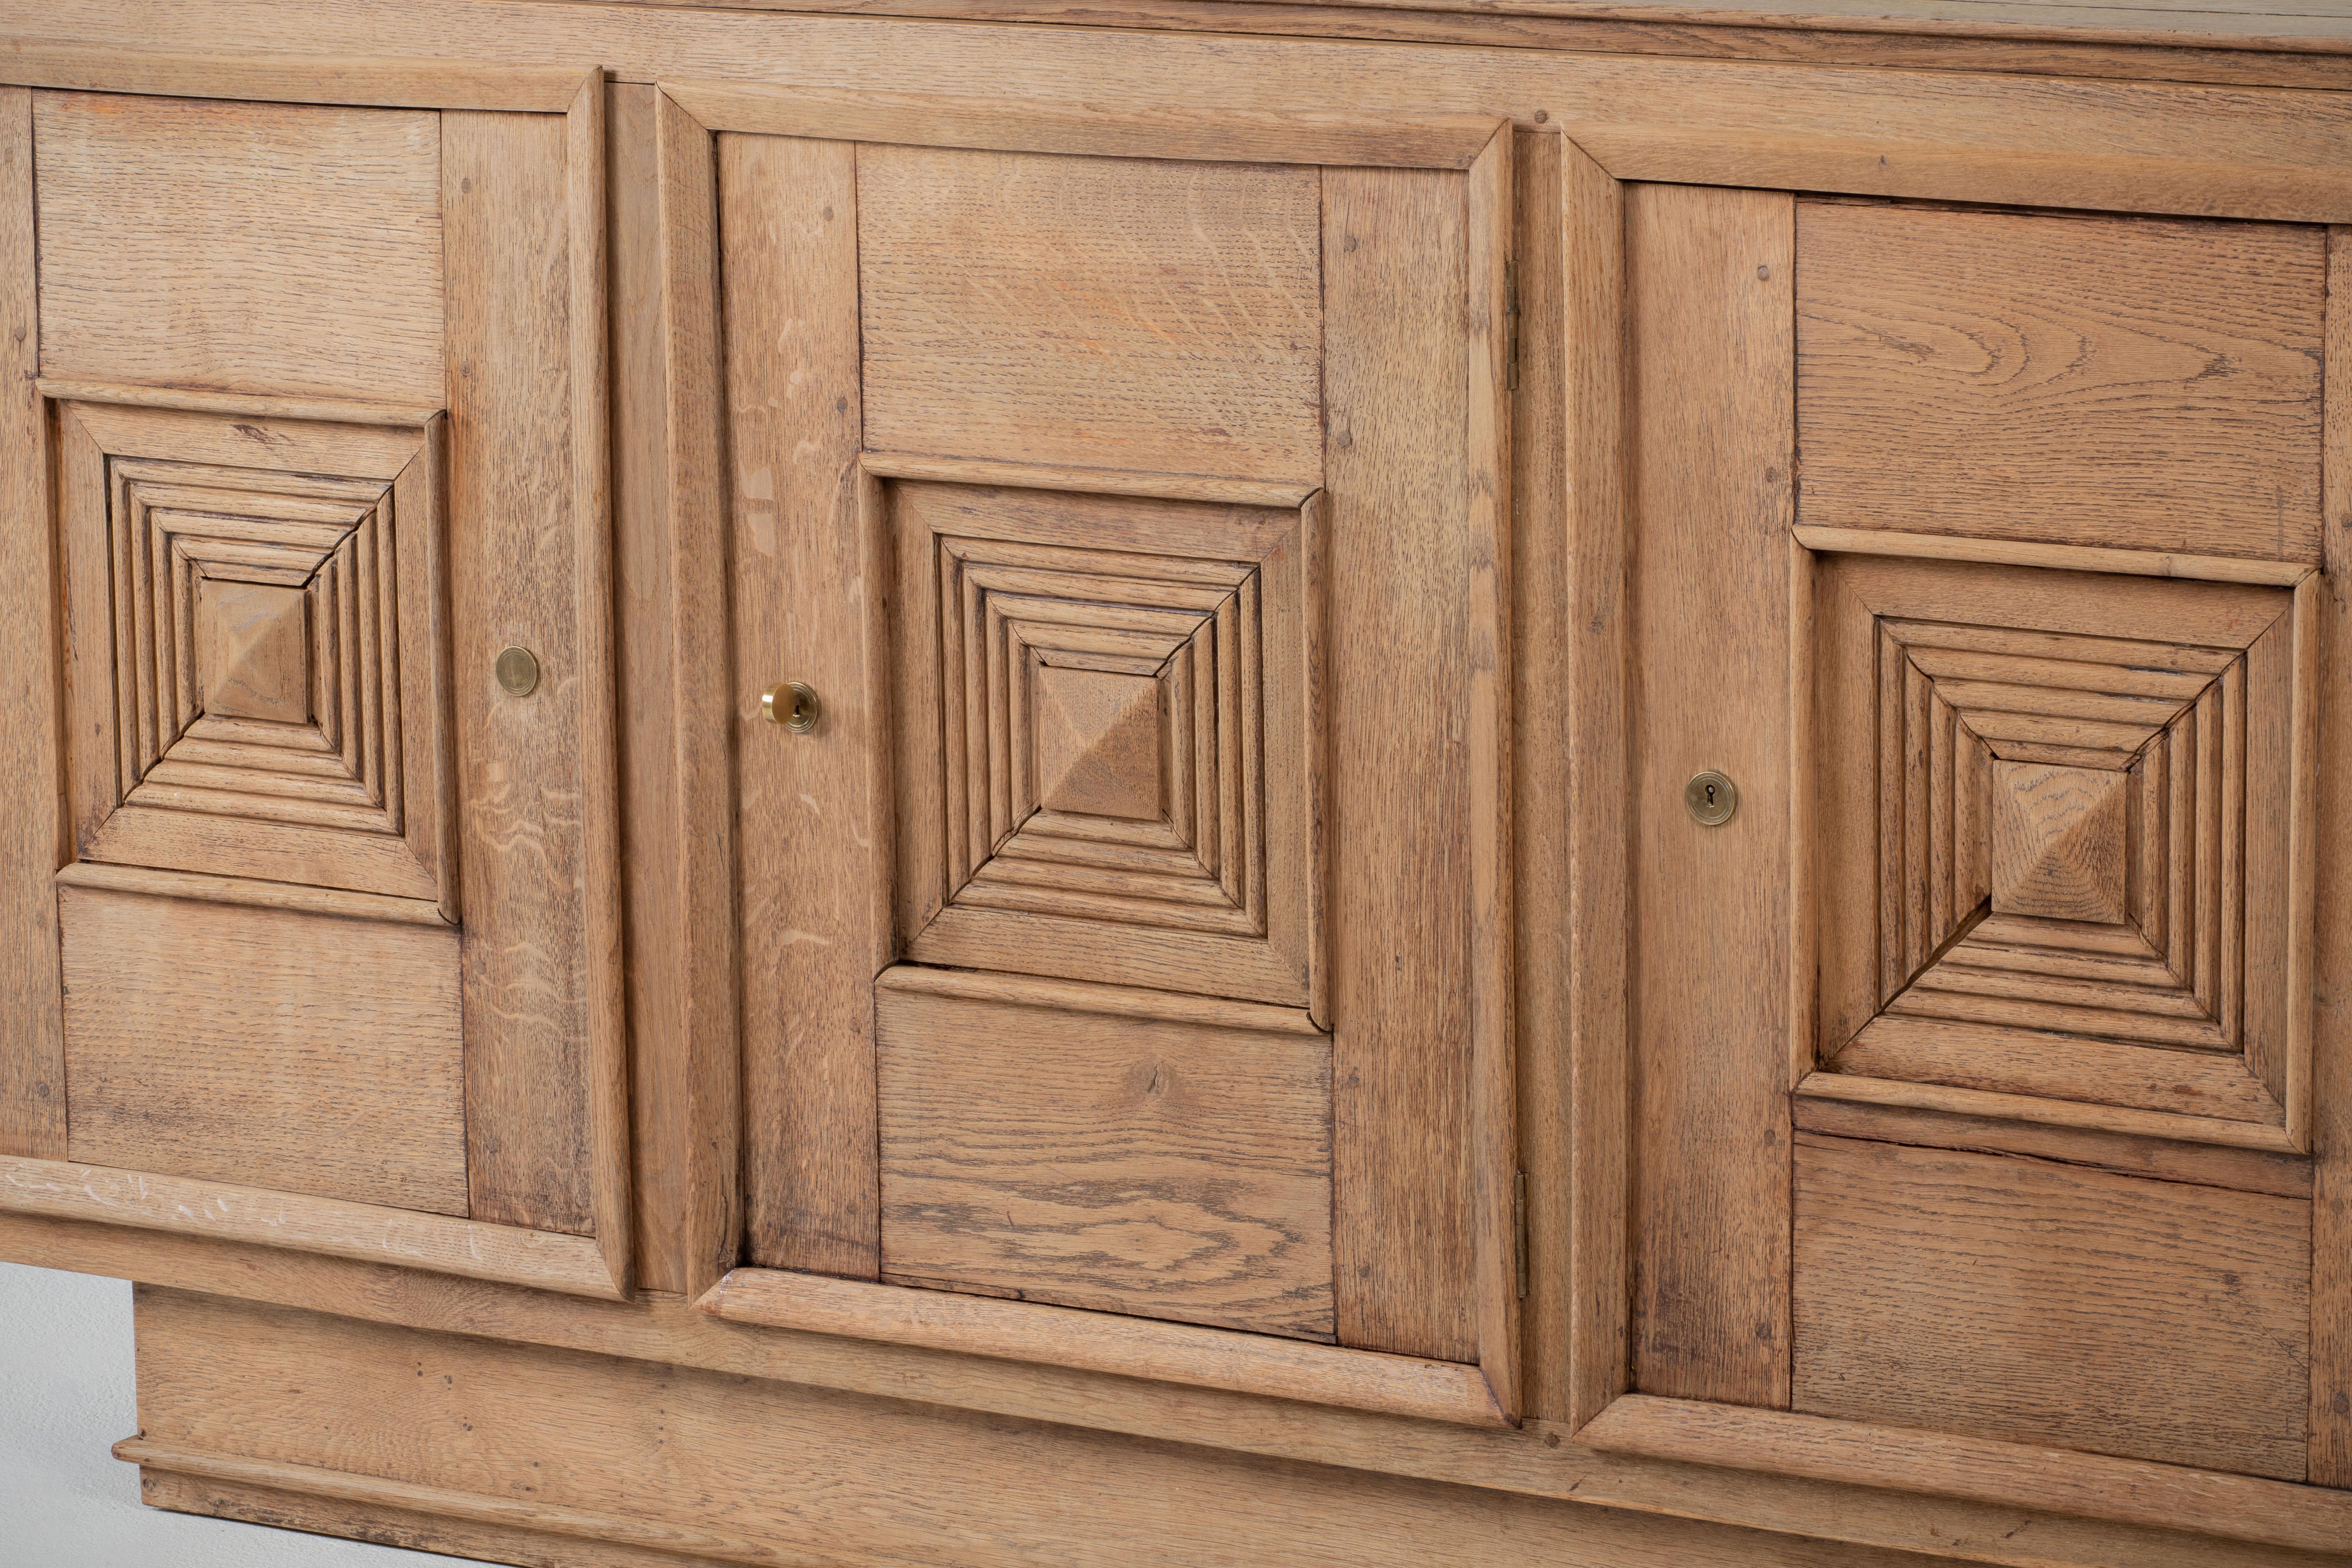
x=2015, y=1299
x=2230, y=1507
x=1710, y=435
x=34, y=841
x=1057, y=1336
x=249, y=892
x=359, y=80
x=2061, y=557
x=436, y=1244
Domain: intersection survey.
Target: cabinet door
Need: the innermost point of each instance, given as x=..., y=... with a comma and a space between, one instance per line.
x=1123, y=907
x=1996, y=590
x=318, y=947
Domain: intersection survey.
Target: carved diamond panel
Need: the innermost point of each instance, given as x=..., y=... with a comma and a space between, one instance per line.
x=2078, y=886
x=1104, y=700
x=271, y=702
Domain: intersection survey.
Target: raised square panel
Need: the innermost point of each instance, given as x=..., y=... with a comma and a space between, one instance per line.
x=2141, y=383
x=257, y=650
x=2085, y=796
x=1106, y=745
x=252, y=654
x=2058, y=842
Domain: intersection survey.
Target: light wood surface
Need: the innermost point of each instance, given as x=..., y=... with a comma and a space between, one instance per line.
x=283, y=231
x=2063, y=557
x=240, y=405
x=264, y=1047
x=1074, y=311
x=1085, y=481
x=34, y=841
x=1966, y=1102
x=2052, y=379
x=1118, y=1164
x=249, y=892
x=358, y=79
x=1130, y=1347
x=2229, y=1506
x=2129, y=1153
x=1496, y=1458
x=1708, y=479
x=1095, y=132
x=217, y=1212
x=2002, y=1297
x=787, y=218
x=2330, y=1412
x=1394, y=382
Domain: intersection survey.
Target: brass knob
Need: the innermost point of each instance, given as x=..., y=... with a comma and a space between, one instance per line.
x=1711, y=799
x=518, y=671
x=793, y=705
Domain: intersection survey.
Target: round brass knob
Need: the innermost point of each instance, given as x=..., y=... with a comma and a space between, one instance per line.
x=1711, y=799
x=793, y=705
x=518, y=671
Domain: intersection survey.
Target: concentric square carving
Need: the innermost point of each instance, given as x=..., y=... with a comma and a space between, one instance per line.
x=2086, y=807
x=269, y=701
x=1106, y=744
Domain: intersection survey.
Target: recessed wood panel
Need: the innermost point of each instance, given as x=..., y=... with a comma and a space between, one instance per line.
x=2004, y=1296
x=1107, y=1159
x=1133, y=313
x=265, y=1048
x=243, y=246
x=2145, y=382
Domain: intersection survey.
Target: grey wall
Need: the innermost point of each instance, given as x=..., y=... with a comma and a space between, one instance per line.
x=66, y=1396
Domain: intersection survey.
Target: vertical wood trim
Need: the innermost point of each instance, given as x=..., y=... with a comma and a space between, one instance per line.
x=1711, y=328
x=591, y=515
x=644, y=590
x=809, y=873
x=85, y=555
x=1804, y=986
x=534, y=776
x=878, y=563
x=707, y=1062
x=1494, y=1136
x=1592, y=220
x=429, y=471
x=33, y=830
x=2302, y=856
x=1403, y=1211
x=2331, y=991
x=1314, y=611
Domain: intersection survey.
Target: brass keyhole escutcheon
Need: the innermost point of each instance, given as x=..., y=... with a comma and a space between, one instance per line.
x=793, y=705
x=1711, y=797
x=518, y=671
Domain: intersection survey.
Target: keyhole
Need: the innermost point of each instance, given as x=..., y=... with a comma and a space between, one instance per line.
x=1711, y=799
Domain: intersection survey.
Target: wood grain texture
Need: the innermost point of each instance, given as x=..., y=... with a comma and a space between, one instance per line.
x=1092, y=130
x=1592, y=640
x=882, y=1477
x=2018, y=1299
x=1498, y=1458
x=144, y=1206
x=2128, y=1154
x=1057, y=1336
x=1121, y=1164
x=2330, y=1413
x=344, y=78
x=1953, y=135
x=1394, y=377
x=1963, y=1102
x=518, y=568
x=33, y=843
x=788, y=224
x=1710, y=431
x=2099, y=381
x=2061, y=557
x=239, y=404
x=1085, y=481
x=264, y=1047
x=1098, y=295
x=284, y=232
x=249, y=892
x=2231, y=1508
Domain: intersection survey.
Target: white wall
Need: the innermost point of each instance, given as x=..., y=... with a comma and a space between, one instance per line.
x=66, y=1397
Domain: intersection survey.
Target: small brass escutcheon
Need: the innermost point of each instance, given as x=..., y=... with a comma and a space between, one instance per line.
x=793, y=705
x=1712, y=798
x=518, y=671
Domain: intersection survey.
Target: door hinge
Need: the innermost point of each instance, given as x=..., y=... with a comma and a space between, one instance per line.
x=1511, y=335
x=1519, y=1230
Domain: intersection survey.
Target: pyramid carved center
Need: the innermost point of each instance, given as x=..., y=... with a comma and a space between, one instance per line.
x=2059, y=842
x=1098, y=744
x=253, y=650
